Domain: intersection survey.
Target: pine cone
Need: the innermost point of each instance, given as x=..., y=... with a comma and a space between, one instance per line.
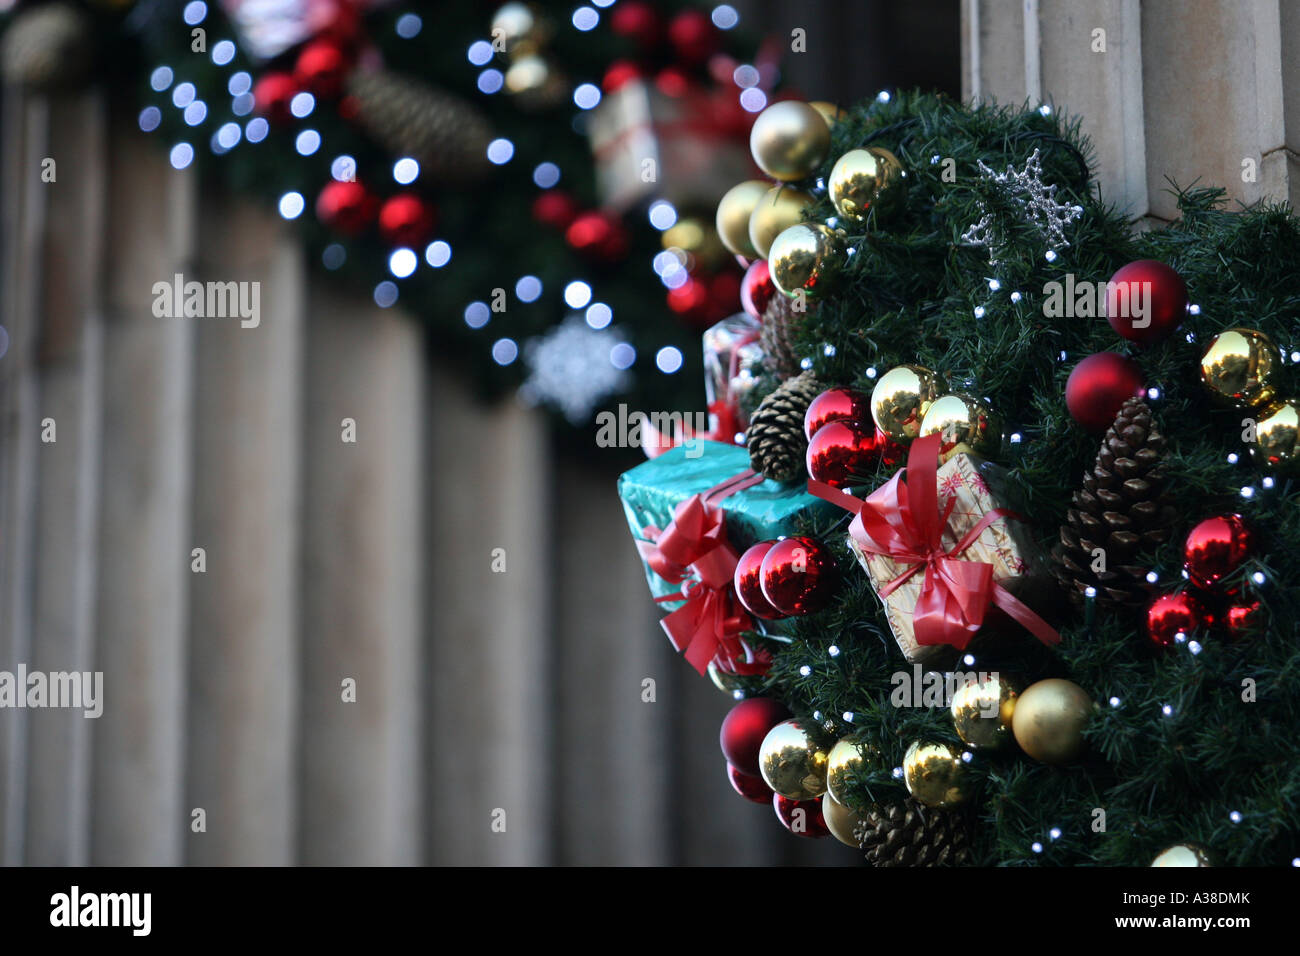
x=912, y=834
x=447, y=135
x=1123, y=508
x=780, y=321
x=776, y=442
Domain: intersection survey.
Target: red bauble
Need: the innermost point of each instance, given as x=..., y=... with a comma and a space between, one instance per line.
x=406, y=220
x=798, y=576
x=724, y=290
x=321, y=68
x=598, y=236
x=1244, y=620
x=1151, y=288
x=801, y=817
x=1216, y=548
x=673, y=82
x=1098, y=386
x=744, y=728
x=272, y=94
x=841, y=452
x=692, y=36
x=555, y=209
x=637, y=21
x=346, y=206
x=690, y=300
x=619, y=75
x=752, y=788
x=748, y=582
x=756, y=289
x=1172, y=614
x=836, y=405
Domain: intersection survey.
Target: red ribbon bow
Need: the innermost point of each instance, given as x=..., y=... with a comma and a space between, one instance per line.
x=902, y=521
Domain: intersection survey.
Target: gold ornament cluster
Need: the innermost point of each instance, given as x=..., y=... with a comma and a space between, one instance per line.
x=1240, y=368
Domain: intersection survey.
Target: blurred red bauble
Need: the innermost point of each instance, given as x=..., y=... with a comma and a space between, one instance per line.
x=1098, y=386
x=673, y=82
x=272, y=94
x=836, y=405
x=637, y=21
x=756, y=289
x=748, y=581
x=798, y=576
x=337, y=20
x=724, y=290
x=1172, y=614
x=347, y=207
x=321, y=68
x=690, y=300
x=1241, y=621
x=692, y=36
x=598, y=235
x=753, y=789
x=744, y=728
x=841, y=452
x=555, y=208
x=1216, y=548
x=619, y=75
x=1145, y=301
x=801, y=817
x=406, y=220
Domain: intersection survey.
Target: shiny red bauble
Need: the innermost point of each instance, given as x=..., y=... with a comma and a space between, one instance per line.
x=1241, y=621
x=836, y=405
x=744, y=728
x=692, y=36
x=555, y=208
x=841, y=453
x=752, y=788
x=1172, y=614
x=756, y=289
x=1099, y=386
x=321, y=68
x=748, y=581
x=637, y=21
x=347, y=207
x=798, y=576
x=1216, y=548
x=272, y=94
x=599, y=236
x=406, y=220
x=801, y=817
x=1145, y=301
x=619, y=74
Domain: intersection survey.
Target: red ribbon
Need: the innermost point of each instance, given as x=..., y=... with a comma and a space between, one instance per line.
x=693, y=551
x=902, y=521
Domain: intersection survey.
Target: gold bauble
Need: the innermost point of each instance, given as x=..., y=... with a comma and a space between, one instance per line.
x=792, y=762
x=534, y=82
x=789, y=140
x=935, y=774
x=860, y=178
x=1050, y=718
x=1239, y=367
x=805, y=257
x=777, y=210
x=518, y=28
x=1180, y=854
x=982, y=711
x=734, y=209
x=901, y=398
x=846, y=760
x=1277, y=438
x=965, y=424
x=831, y=113
x=727, y=683
x=696, y=237
x=841, y=821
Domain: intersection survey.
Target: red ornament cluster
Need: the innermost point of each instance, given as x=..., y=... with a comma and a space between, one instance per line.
x=786, y=578
x=844, y=444
x=1214, y=551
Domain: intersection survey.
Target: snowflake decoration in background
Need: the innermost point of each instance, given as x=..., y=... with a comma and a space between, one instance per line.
x=1034, y=198
x=570, y=369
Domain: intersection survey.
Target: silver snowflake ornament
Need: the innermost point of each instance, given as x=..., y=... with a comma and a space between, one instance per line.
x=1033, y=198
x=570, y=368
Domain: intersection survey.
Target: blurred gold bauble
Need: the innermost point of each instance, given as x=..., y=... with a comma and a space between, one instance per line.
x=519, y=28
x=789, y=140
x=696, y=237
x=792, y=763
x=727, y=683
x=534, y=82
x=734, y=210
x=841, y=821
x=831, y=113
x=805, y=257
x=860, y=178
x=1239, y=367
x=777, y=210
x=1180, y=854
x=1049, y=720
x=847, y=759
x=901, y=398
x=1277, y=438
x=965, y=424
x=935, y=774
x=981, y=712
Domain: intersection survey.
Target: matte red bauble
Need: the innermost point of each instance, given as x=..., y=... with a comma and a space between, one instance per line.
x=841, y=453
x=406, y=220
x=836, y=405
x=754, y=789
x=1244, y=620
x=744, y=728
x=346, y=206
x=1145, y=301
x=1216, y=548
x=637, y=21
x=598, y=236
x=1099, y=386
x=555, y=208
x=1172, y=614
x=798, y=576
x=321, y=68
x=692, y=36
x=801, y=817
x=756, y=289
x=272, y=94
x=748, y=581
x=619, y=74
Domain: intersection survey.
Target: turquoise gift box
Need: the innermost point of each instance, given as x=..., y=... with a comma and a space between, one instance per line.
x=651, y=492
